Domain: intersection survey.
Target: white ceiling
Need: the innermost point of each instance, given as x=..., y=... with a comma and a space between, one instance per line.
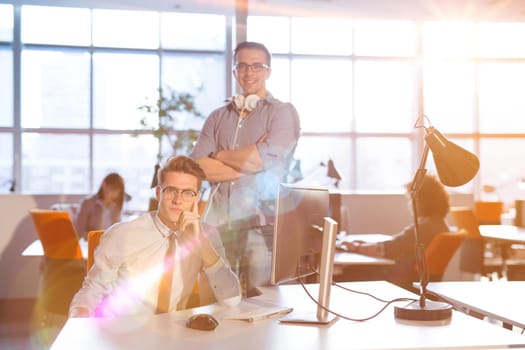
x=485, y=10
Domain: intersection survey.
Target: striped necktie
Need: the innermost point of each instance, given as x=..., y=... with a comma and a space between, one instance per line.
x=163, y=300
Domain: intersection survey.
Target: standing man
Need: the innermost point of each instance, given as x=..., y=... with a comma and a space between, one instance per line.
x=245, y=149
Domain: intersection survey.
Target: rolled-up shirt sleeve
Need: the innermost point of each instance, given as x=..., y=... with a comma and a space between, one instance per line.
x=224, y=283
x=283, y=131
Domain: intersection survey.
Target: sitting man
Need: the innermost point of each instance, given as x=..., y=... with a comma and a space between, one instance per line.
x=129, y=262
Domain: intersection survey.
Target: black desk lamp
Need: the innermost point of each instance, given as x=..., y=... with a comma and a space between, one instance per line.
x=333, y=173
x=455, y=167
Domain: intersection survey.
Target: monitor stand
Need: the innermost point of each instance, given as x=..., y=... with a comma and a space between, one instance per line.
x=308, y=318
x=326, y=270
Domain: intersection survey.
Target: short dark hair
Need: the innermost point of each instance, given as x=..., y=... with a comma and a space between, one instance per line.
x=433, y=198
x=253, y=45
x=181, y=164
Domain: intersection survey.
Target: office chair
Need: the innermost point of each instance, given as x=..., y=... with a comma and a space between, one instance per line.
x=488, y=213
x=57, y=233
x=440, y=251
x=63, y=268
x=93, y=241
x=438, y=254
x=475, y=255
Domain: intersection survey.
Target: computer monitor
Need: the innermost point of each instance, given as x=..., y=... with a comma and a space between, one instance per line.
x=304, y=242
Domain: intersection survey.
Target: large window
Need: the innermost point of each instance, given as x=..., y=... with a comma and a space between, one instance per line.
x=83, y=75
x=359, y=86
x=356, y=95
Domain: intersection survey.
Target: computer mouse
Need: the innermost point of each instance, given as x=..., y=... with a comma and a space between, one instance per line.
x=203, y=322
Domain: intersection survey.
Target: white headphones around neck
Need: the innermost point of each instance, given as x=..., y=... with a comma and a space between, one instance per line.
x=245, y=103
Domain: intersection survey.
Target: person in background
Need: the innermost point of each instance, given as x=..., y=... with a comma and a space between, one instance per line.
x=129, y=262
x=245, y=149
x=103, y=209
x=433, y=207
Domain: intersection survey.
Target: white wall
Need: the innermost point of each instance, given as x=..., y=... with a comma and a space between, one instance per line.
x=384, y=213
x=20, y=275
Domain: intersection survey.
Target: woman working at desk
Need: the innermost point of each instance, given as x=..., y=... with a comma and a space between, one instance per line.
x=433, y=207
x=103, y=209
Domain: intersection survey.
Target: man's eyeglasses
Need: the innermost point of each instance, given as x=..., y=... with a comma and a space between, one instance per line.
x=169, y=193
x=255, y=67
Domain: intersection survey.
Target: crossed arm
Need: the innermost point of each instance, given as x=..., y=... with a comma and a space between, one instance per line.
x=227, y=165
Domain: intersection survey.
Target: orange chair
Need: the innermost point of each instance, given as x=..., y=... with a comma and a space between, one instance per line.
x=57, y=233
x=476, y=255
x=63, y=268
x=465, y=219
x=440, y=251
x=93, y=241
x=488, y=213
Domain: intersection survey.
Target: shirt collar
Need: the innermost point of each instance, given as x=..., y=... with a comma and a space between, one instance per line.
x=163, y=229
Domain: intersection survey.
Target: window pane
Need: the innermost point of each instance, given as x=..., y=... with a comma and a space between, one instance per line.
x=502, y=166
x=56, y=25
x=309, y=35
x=6, y=87
x=502, y=105
x=323, y=110
x=55, y=89
x=450, y=106
x=6, y=22
x=449, y=39
x=384, y=96
x=311, y=156
x=121, y=83
x=502, y=40
x=279, y=82
x=193, y=31
x=119, y=28
x=273, y=32
x=6, y=162
x=384, y=38
x=201, y=75
x=55, y=163
x=118, y=153
x=383, y=163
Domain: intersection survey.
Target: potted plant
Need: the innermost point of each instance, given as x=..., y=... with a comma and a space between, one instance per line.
x=168, y=119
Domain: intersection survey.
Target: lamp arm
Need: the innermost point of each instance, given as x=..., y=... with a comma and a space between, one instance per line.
x=421, y=259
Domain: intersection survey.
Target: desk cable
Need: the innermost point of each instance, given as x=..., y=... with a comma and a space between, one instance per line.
x=387, y=302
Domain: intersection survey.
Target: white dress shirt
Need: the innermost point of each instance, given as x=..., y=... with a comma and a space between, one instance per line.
x=125, y=277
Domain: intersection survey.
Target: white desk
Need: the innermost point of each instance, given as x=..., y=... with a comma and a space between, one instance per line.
x=369, y=267
x=168, y=331
x=36, y=249
x=506, y=233
x=499, y=300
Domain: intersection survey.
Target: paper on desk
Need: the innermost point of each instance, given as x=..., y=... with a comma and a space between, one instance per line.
x=260, y=313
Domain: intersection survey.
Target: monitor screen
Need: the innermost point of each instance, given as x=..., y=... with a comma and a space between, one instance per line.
x=297, y=239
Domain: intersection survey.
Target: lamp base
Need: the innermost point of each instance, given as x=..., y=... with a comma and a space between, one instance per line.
x=432, y=311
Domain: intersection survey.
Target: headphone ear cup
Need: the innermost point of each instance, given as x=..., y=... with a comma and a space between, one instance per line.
x=238, y=101
x=250, y=102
